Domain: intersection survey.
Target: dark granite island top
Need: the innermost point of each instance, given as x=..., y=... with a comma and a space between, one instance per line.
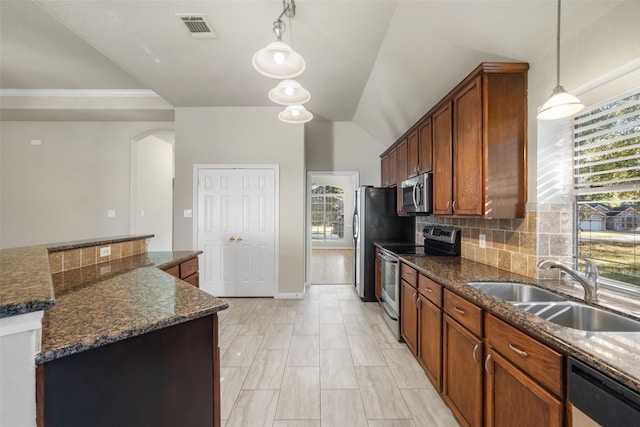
x=616, y=354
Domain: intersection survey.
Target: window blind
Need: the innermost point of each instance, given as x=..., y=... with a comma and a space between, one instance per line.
x=607, y=186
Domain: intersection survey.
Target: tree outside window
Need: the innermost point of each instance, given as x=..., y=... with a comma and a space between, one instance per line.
x=327, y=213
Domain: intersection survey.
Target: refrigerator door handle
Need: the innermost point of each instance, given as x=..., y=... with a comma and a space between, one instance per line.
x=356, y=226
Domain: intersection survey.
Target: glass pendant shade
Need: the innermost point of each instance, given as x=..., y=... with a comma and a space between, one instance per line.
x=278, y=61
x=289, y=92
x=295, y=114
x=561, y=104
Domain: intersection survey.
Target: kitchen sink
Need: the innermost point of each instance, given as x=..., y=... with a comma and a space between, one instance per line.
x=581, y=316
x=516, y=292
x=556, y=309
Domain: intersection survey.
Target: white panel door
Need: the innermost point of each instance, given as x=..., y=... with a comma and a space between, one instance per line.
x=236, y=231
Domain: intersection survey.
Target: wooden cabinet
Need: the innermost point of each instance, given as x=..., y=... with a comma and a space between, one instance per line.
x=425, y=146
x=388, y=168
x=442, y=159
x=430, y=329
x=401, y=162
x=462, y=386
x=186, y=270
x=524, y=379
x=409, y=315
x=475, y=142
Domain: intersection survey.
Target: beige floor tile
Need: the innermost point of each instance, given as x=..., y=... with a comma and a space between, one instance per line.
x=428, y=409
x=277, y=336
x=231, y=380
x=296, y=423
x=267, y=370
x=254, y=408
x=347, y=292
x=256, y=325
x=330, y=315
x=356, y=324
x=384, y=337
x=306, y=324
x=227, y=332
x=372, y=311
x=342, y=408
x=328, y=299
x=405, y=369
x=350, y=307
x=241, y=351
x=308, y=306
x=391, y=423
x=336, y=370
x=291, y=303
x=380, y=394
x=284, y=315
x=300, y=394
x=365, y=352
x=333, y=336
x=304, y=350
x=266, y=306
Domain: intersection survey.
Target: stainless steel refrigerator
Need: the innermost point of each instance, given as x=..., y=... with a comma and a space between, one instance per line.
x=375, y=220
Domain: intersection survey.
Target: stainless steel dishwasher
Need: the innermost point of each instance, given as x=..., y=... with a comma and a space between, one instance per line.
x=600, y=398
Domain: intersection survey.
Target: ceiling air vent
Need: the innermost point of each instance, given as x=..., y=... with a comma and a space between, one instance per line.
x=197, y=25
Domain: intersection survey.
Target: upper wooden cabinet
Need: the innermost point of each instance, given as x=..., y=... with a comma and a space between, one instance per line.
x=388, y=168
x=401, y=162
x=475, y=142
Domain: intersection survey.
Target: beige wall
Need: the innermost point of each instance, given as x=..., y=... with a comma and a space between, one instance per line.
x=343, y=146
x=61, y=191
x=245, y=136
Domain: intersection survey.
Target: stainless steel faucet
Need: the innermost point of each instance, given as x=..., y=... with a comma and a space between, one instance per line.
x=589, y=280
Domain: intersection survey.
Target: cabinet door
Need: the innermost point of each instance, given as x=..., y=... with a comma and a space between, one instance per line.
x=442, y=160
x=468, y=169
x=409, y=316
x=425, y=146
x=393, y=168
x=401, y=162
x=384, y=171
x=514, y=399
x=413, y=153
x=462, y=373
x=430, y=340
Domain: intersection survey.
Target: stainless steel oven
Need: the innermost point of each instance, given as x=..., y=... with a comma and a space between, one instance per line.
x=390, y=292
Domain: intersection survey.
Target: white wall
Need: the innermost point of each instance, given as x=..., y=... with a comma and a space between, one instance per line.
x=343, y=146
x=241, y=135
x=61, y=191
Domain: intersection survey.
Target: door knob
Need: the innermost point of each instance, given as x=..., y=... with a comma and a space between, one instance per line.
x=239, y=238
x=232, y=238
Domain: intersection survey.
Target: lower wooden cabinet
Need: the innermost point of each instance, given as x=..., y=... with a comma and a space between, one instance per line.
x=409, y=315
x=462, y=373
x=430, y=340
x=187, y=271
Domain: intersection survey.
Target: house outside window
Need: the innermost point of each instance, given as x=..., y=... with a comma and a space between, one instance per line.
x=327, y=213
x=607, y=188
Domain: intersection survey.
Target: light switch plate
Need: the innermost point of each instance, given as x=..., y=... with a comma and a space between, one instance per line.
x=188, y=213
x=111, y=213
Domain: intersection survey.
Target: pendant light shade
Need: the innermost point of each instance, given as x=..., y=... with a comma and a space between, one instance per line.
x=289, y=92
x=278, y=61
x=561, y=104
x=295, y=114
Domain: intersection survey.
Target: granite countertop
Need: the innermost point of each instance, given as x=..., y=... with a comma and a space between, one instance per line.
x=616, y=354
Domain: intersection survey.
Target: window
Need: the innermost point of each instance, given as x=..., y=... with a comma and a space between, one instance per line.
x=327, y=213
x=607, y=187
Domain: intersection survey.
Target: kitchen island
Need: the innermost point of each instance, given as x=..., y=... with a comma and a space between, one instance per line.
x=123, y=342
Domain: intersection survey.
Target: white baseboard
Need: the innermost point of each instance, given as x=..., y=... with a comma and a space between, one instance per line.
x=289, y=295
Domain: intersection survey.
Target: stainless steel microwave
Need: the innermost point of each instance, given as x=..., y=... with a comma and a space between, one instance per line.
x=417, y=194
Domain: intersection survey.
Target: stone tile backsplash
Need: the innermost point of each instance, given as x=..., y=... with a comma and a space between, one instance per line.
x=76, y=258
x=514, y=245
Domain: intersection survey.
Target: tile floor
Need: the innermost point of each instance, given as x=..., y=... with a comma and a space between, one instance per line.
x=328, y=360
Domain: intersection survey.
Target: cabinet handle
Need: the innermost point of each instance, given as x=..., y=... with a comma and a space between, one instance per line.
x=448, y=205
x=454, y=205
x=415, y=299
x=459, y=310
x=428, y=290
x=517, y=351
x=475, y=353
x=231, y=239
x=487, y=362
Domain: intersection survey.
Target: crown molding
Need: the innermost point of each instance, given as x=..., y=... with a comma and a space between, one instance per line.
x=81, y=93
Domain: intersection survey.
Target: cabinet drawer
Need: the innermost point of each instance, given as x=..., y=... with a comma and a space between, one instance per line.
x=465, y=312
x=536, y=359
x=174, y=271
x=193, y=280
x=409, y=274
x=430, y=290
x=187, y=268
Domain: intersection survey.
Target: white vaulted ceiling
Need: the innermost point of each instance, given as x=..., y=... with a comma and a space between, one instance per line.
x=378, y=63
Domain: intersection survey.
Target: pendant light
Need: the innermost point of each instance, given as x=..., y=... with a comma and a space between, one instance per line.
x=561, y=104
x=295, y=114
x=278, y=60
x=289, y=92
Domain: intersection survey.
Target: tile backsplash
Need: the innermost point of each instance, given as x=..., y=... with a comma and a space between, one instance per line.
x=513, y=244
x=76, y=258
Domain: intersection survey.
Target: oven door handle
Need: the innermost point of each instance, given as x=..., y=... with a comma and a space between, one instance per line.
x=388, y=312
x=386, y=257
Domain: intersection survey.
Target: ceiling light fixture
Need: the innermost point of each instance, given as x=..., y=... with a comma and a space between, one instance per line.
x=295, y=114
x=278, y=60
x=561, y=104
x=289, y=92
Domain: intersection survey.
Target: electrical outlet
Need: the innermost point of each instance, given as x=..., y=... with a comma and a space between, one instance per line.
x=483, y=241
x=111, y=213
x=106, y=251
